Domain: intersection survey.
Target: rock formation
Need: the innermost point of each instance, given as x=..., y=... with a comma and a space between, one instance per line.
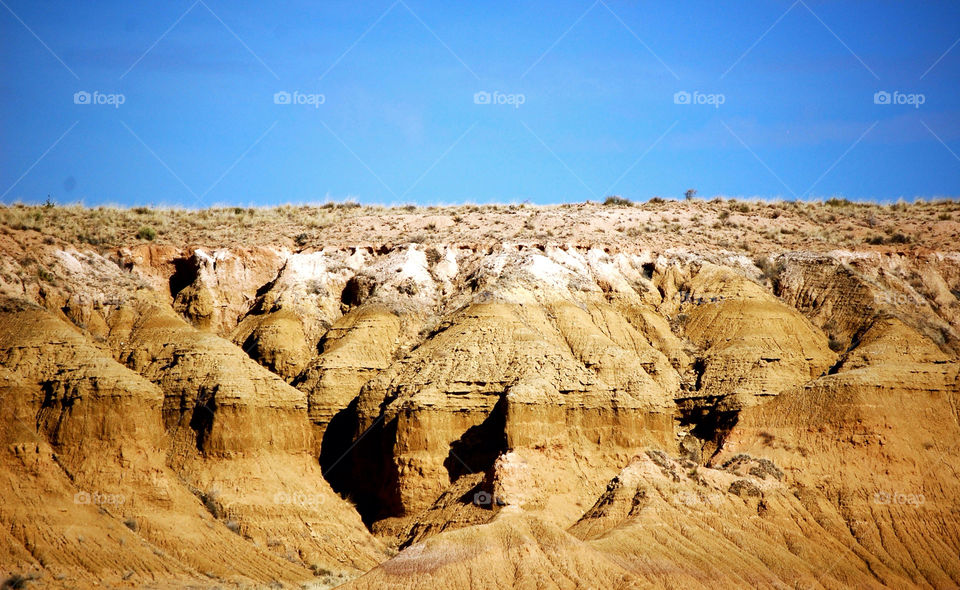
x=461, y=415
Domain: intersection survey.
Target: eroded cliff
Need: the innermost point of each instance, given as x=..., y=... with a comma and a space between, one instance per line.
x=503, y=415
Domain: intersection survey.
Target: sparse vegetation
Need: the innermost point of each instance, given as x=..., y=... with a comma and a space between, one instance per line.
x=617, y=201
x=723, y=223
x=744, y=488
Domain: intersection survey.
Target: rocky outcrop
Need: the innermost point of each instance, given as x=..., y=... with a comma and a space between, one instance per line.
x=502, y=414
x=241, y=437
x=88, y=450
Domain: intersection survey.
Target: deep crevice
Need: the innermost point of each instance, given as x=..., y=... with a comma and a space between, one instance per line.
x=477, y=449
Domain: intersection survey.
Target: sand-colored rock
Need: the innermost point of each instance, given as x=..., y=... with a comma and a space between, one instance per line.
x=87, y=445
x=517, y=413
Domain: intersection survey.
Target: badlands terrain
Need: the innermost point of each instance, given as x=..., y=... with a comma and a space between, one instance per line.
x=673, y=394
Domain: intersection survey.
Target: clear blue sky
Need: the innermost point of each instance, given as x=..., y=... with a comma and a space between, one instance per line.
x=400, y=122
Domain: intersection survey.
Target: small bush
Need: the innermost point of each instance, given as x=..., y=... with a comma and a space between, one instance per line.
x=147, y=233
x=301, y=239
x=899, y=238
x=838, y=202
x=766, y=467
x=433, y=256
x=131, y=523
x=744, y=488
x=656, y=201
x=617, y=201
x=690, y=194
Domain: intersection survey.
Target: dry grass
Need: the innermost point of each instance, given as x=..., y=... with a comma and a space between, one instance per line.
x=748, y=226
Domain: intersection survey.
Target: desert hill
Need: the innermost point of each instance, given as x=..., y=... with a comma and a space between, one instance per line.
x=684, y=394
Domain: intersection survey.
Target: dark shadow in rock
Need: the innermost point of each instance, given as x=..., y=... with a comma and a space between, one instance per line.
x=480, y=445
x=184, y=274
x=201, y=421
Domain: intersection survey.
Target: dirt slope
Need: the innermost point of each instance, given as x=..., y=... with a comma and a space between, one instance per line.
x=462, y=413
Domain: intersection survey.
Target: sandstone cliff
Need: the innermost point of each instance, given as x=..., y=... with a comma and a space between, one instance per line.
x=468, y=414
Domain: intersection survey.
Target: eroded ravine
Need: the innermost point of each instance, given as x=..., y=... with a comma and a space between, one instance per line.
x=524, y=414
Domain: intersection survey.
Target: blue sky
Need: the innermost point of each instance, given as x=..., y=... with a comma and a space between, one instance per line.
x=582, y=101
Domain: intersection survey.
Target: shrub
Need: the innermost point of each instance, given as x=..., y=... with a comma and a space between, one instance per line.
x=899, y=238
x=744, y=488
x=838, y=202
x=146, y=233
x=769, y=270
x=656, y=201
x=764, y=468
x=131, y=523
x=690, y=194
x=433, y=256
x=617, y=201
x=301, y=239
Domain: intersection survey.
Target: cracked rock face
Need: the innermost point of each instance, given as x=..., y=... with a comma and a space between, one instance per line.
x=458, y=415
